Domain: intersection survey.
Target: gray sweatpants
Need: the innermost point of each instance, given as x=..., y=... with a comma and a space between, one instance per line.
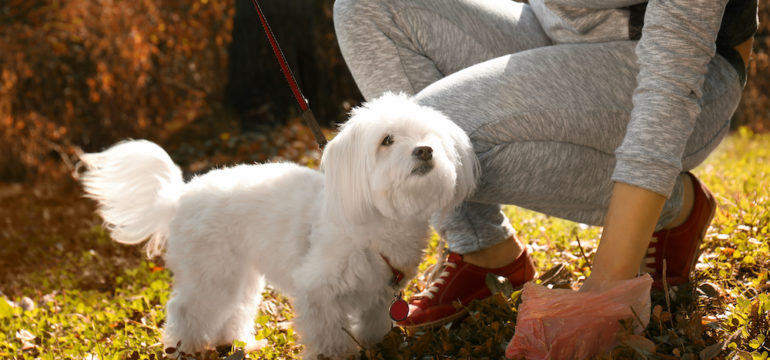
x=544, y=119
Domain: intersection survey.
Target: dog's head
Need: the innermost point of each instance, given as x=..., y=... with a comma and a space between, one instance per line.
x=397, y=159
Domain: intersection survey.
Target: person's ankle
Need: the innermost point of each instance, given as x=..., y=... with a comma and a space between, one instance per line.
x=687, y=204
x=498, y=255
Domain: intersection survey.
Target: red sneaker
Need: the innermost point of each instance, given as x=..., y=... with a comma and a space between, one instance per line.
x=680, y=246
x=463, y=282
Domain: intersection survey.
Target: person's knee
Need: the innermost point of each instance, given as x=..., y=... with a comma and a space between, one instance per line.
x=345, y=11
x=342, y=7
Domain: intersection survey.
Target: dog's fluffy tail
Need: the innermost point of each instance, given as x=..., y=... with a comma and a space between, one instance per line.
x=137, y=187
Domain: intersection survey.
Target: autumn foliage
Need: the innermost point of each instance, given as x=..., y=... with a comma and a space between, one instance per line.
x=86, y=73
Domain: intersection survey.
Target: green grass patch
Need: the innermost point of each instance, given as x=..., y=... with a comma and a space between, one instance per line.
x=61, y=312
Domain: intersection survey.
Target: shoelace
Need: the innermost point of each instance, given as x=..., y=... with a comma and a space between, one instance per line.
x=650, y=259
x=431, y=290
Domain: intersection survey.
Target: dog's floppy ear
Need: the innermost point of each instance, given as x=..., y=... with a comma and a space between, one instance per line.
x=467, y=168
x=346, y=167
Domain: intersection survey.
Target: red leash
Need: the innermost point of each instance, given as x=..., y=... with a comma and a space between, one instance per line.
x=307, y=114
x=399, y=308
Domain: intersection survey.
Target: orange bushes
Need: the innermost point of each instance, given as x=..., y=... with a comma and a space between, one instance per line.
x=89, y=72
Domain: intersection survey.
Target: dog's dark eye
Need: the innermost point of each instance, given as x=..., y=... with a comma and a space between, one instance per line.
x=387, y=141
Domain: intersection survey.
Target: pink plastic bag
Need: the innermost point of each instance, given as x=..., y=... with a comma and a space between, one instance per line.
x=565, y=324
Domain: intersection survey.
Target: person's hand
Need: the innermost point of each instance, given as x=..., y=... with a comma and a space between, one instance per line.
x=566, y=324
x=591, y=284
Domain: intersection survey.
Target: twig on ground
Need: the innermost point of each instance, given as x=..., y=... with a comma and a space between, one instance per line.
x=636, y=316
x=583, y=253
x=665, y=293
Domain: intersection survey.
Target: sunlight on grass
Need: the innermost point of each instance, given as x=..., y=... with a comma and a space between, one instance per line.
x=726, y=313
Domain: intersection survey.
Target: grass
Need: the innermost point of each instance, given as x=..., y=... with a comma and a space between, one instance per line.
x=70, y=292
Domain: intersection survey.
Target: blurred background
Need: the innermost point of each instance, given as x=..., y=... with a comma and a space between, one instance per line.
x=196, y=76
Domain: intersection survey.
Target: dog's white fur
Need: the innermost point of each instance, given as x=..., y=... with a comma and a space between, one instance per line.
x=315, y=236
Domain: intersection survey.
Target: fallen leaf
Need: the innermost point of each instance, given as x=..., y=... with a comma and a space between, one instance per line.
x=710, y=351
x=25, y=335
x=499, y=284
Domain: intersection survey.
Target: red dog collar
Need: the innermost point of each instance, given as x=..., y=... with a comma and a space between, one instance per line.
x=397, y=274
x=399, y=308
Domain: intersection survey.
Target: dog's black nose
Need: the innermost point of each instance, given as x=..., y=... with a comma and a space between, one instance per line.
x=423, y=153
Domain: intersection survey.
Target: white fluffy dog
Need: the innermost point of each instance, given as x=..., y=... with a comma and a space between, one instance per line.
x=324, y=238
